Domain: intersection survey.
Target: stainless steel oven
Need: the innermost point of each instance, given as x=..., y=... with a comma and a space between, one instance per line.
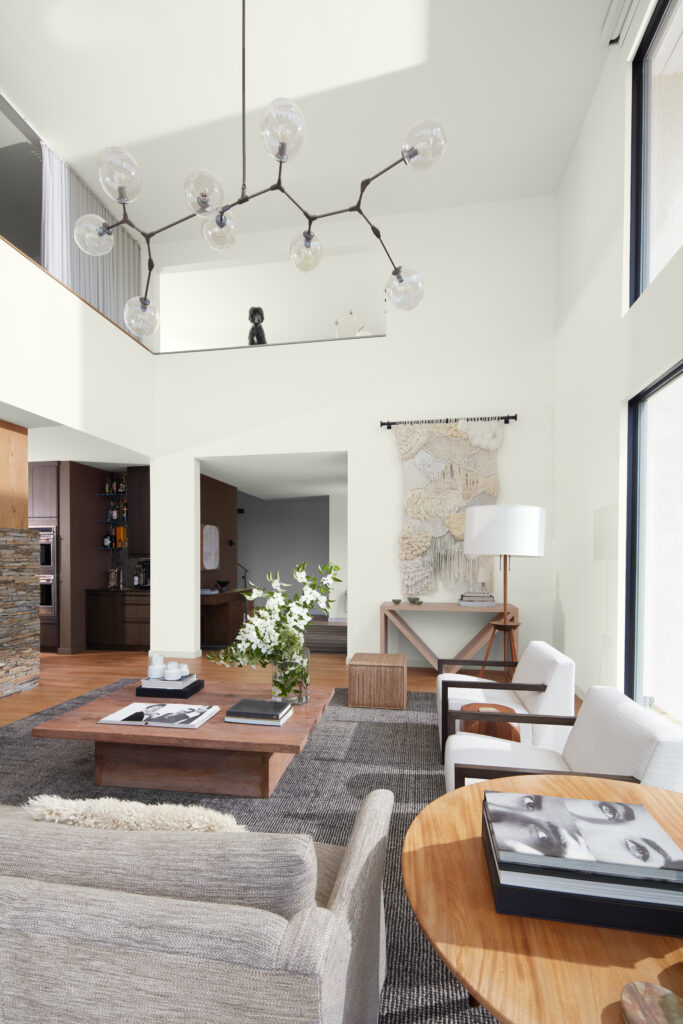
x=48, y=550
x=48, y=595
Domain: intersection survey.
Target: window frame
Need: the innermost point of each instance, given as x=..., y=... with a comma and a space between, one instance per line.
x=639, y=140
x=635, y=410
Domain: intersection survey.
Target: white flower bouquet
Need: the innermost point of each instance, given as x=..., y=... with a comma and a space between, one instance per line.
x=274, y=632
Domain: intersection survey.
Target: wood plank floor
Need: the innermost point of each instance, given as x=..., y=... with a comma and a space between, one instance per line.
x=63, y=676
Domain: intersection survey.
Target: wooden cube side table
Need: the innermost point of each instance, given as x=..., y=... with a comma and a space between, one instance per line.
x=378, y=681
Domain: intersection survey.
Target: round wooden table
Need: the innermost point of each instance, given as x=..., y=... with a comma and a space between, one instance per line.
x=525, y=970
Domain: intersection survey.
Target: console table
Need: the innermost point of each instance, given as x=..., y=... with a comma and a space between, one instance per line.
x=390, y=612
x=526, y=970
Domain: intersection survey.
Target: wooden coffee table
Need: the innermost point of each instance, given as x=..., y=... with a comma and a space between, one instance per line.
x=525, y=970
x=218, y=757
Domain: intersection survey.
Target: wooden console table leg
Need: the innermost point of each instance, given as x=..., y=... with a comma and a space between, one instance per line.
x=383, y=631
x=488, y=651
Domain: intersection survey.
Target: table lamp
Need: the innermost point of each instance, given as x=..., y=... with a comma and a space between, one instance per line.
x=504, y=530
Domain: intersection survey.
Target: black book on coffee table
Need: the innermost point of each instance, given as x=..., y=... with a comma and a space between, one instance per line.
x=270, y=709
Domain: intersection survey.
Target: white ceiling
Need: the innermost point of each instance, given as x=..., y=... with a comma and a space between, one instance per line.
x=510, y=79
x=299, y=475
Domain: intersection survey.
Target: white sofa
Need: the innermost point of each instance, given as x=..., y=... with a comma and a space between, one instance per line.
x=539, y=664
x=612, y=736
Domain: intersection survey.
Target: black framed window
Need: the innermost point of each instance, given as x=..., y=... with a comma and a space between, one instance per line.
x=654, y=573
x=657, y=146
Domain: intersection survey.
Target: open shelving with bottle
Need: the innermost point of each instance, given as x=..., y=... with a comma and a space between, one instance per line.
x=115, y=495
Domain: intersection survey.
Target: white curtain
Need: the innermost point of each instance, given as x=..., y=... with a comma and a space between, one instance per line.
x=106, y=282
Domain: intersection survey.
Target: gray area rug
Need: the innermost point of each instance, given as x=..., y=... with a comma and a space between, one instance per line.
x=351, y=752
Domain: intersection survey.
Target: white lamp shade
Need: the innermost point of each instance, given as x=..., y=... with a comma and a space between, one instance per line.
x=504, y=530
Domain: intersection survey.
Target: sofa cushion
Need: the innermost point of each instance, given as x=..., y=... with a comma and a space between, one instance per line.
x=272, y=872
x=329, y=859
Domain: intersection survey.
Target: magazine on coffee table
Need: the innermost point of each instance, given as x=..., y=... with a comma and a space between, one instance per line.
x=173, y=716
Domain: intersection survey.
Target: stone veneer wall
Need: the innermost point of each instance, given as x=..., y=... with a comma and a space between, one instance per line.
x=19, y=610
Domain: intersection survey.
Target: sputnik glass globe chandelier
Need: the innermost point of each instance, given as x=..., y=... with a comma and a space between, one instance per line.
x=283, y=132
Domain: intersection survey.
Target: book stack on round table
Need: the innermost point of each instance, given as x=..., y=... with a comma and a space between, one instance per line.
x=259, y=712
x=585, y=861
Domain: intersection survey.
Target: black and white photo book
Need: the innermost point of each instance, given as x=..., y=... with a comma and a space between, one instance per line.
x=595, y=862
x=174, y=716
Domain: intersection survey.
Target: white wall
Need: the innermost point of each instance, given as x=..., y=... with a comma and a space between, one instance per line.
x=61, y=359
x=209, y=307
x=480, y=343
x=338, y=546
x=605, y=355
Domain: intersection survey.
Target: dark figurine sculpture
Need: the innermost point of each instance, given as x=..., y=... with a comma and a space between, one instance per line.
x=257, y=336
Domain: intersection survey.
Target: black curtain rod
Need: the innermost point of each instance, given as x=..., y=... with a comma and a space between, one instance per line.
x=451, y=419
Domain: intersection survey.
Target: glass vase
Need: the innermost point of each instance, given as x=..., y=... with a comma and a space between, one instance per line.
x=291, y=680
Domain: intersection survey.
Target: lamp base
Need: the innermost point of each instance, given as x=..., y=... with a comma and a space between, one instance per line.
x=509, y=631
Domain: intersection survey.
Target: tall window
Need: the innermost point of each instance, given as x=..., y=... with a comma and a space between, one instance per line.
x=657, y=161
x=654, y=635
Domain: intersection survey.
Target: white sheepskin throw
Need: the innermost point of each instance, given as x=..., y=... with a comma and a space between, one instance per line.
x=130, y=815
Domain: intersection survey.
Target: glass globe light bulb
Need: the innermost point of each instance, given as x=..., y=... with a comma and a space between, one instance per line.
x=423, y=144
x=405, y=288
x=119, y=174
x=203, y=193
x=283, y=130
x=140, y=317
x=306, y=251
x=92, y=236
x=219, y=232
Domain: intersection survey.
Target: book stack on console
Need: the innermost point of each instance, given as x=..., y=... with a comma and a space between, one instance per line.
x=183, y=687
x=259, y=712
x=479, y=597
x=584, y=861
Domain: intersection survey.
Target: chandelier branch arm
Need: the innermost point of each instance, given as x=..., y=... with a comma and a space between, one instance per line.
x=378, y=235
x=150, y=268
x=367, y=181
x=173, y=224
x=334, y=213
x=281, y=188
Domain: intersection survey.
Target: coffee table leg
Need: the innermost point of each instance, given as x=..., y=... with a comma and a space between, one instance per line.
x=189, y=770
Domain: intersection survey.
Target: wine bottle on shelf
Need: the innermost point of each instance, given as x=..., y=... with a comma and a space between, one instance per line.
x=114, y=484
x=124, y=511
x=114, y=511
x=107, y=484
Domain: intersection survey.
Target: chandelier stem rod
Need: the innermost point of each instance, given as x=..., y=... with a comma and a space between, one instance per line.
x=244, y=93
x=378, y=236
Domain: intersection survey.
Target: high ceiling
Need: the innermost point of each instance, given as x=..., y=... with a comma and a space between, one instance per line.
x=510, y=79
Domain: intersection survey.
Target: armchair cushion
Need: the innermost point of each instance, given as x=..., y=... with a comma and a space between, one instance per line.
x=482, y=751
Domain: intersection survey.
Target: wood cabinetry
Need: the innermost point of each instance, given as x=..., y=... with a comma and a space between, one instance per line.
x=138, y=511
x=43, y=490
x=222, y=616
x=117, y=619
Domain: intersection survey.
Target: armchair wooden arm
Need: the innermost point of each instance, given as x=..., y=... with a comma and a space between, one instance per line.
x=475, y=771
x=467, y=684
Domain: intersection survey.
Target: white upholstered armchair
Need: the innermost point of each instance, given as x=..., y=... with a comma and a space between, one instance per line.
x=542, y=685
x=612, y=736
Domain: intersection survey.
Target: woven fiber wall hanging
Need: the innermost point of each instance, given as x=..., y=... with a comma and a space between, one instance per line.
x=446, y=467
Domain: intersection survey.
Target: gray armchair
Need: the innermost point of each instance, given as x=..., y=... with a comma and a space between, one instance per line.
x=167, y=928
